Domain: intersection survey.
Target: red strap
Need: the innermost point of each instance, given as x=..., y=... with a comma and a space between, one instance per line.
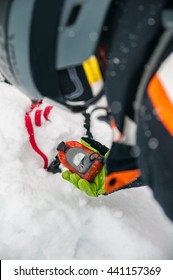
x=30, y=130
x=47, y=111
x=29, y=127
x=38, y=117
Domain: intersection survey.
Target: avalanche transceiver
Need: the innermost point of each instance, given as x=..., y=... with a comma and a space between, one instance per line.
x=78, y=159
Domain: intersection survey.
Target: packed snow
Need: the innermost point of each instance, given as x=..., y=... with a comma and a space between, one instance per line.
x=44, y=217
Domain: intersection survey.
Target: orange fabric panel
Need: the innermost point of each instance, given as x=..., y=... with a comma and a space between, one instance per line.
x=161, y=103
x=117, y=180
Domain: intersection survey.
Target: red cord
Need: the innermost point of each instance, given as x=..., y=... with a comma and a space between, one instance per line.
x=47, y=111
x=30, y=129
x=38, y=117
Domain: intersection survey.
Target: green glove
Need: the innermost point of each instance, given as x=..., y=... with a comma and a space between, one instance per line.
x=97, y=186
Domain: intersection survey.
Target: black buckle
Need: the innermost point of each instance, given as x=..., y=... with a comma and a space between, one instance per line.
x=62, y=147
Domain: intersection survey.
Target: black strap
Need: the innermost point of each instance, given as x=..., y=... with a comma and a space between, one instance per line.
x=87, y=116
x=102, y=149
x=54, y=166
x=87, y=124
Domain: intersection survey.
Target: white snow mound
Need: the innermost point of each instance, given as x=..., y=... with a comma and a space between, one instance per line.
x=44, y=217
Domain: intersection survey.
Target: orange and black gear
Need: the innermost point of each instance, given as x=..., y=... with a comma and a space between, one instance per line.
x=155, y=131
x=134, y=44
x=122, y=169
x=87, y=164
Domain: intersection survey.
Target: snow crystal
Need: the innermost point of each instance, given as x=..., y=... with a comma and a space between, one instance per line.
x=116, y=60
x=151, y=21
x=135, y=151
x=147, y=133
x=153, y=143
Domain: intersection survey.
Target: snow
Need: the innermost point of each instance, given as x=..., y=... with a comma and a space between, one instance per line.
x=44, y=217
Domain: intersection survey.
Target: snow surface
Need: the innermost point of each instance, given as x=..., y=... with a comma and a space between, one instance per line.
x=44, y=217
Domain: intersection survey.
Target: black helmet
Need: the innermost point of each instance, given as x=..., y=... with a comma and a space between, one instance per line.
x=48, y=48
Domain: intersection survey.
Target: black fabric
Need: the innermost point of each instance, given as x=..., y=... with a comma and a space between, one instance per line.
x=136, y=29
x=121, y=159
x=102, y=149
x=103, y=47
x=140, y=20
x=156, y=162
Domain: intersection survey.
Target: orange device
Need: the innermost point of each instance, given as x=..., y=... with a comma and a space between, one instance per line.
x=78, y=159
